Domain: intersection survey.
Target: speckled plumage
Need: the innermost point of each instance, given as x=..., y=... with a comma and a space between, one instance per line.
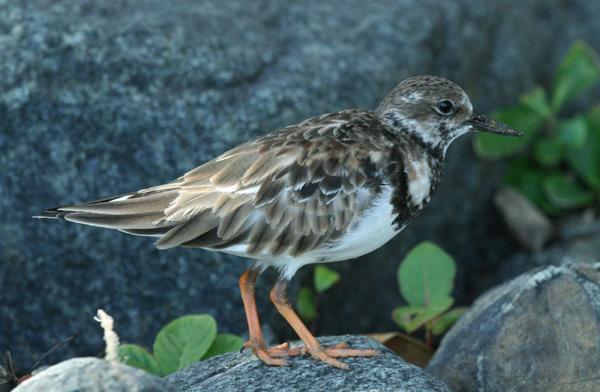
x=288, y=198
x=331, y=188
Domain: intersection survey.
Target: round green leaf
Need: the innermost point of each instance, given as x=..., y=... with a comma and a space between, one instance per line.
x=224, y=343
x=537, y=101
x=491, y=146
x=564, y=192
x=411, y=318
x=426, y=275
x=136, y=356
x=183, y=341
x=579, y=70
x=573, y=132
x=324, y=278
x=402, y=315
x=448, y=319
x=585, y=159
x=548, y=152
x=306, y=304
x=529, y=181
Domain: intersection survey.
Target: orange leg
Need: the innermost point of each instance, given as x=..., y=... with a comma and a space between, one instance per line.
x=311, y=344
x=247, y=284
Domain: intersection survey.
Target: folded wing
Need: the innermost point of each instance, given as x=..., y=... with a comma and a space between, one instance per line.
x=285, y=193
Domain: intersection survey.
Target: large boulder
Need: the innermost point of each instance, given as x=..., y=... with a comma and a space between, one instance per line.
x=98, y=98
x=243, y=372
x=93, y=375
x=538, y=332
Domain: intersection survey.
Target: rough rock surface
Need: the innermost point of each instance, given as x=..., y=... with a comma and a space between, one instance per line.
x=538, y=332
x=93, y=375
x=98, y=98
x=245, y=373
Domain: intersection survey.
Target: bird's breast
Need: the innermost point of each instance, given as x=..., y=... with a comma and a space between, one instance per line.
x=419, y=180
x=370, y=231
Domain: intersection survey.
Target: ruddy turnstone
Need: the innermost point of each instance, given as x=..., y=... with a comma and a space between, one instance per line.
x=331, y=188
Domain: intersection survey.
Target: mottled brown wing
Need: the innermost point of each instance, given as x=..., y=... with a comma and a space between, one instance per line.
x=284, y=193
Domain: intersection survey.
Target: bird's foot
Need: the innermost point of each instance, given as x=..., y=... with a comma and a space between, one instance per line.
x=325, y=354
x=275, y=355
x=263, y=353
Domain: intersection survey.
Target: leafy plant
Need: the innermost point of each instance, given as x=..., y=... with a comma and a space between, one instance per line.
x=308, y=298
x=557, y=164
x=426, y=279
x=183, y=341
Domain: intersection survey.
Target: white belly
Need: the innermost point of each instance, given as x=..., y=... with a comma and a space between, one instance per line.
x=372, y=230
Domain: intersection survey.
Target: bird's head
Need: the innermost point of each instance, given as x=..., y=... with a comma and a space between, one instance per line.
x=435, y=111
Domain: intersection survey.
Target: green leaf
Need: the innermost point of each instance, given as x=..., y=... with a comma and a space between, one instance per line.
x=491, y=146
x=306, y=304
x=324, y=278
x=404, y=314
x=183, y=341
x=564, y=192
x=411, y=318
x=426, y=275
x=224, y=343
x=138, y=357
x=593, y=118
x=448, y=319
x=573, y=132
x=579, y=70
x=585, y=160
x=548, y=152
x=537, y=102
x=525, y=178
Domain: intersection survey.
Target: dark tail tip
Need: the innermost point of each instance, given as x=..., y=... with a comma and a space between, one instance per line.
x=51, y=213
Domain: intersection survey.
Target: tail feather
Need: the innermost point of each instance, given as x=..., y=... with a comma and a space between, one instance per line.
x=138, y=213
x=157, y=232
x=130, y=204
x=51, y=213
x=137, y=221
x=143, y=214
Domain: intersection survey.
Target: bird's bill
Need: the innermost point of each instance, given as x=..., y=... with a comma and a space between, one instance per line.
x=481, y=122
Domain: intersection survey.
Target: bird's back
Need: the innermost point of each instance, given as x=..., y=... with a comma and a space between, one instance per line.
x=282, y=195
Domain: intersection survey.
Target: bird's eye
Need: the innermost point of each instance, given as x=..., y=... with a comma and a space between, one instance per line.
x=445, y=107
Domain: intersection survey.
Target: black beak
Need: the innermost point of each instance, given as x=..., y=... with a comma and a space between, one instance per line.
x=481, y=122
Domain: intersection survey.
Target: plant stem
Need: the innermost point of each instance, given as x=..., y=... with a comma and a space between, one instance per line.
x=428, y=335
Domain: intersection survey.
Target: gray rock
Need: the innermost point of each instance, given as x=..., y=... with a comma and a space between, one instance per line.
x=526, y=222
x=98, y=98
x=538, y=332
x=93, y=375
x=245, y=373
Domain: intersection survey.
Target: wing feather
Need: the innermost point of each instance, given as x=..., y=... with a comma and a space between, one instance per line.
x=284, y=193
x=187, y=231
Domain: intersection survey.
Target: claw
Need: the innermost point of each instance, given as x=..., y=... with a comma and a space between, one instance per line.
x=350, y=352
x=321, y=355
x=264, y=354
x=282, y=346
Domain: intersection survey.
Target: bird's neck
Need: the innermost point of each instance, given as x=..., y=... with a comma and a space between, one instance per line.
x=418, y=134
x=434, y=149
x=414, y=171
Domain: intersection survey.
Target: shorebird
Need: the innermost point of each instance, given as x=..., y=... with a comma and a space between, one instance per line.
x=330, y=188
